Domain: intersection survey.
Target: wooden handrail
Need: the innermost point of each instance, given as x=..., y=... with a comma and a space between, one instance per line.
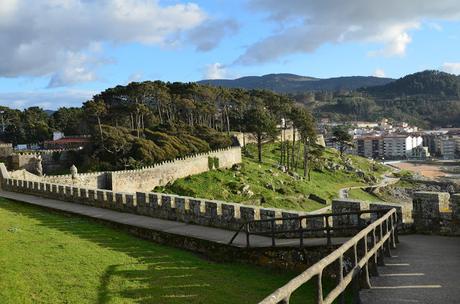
x=283, y=294
x=325, y=216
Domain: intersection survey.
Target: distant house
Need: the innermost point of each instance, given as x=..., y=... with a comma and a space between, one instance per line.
x=61, y=142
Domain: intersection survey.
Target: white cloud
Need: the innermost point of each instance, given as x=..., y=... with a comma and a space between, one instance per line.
x=50, y=100
x=451, y=67
x=215, y=71
x=379, y=73
x=305, y=25
x=208, y=35
x=58, y=38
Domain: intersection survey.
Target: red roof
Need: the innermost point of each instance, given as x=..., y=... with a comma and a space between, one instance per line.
x=69, y=140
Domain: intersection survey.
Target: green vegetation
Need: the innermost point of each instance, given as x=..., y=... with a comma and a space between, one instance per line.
x=266, y=185
x=54, y=258
x=119, y=147
x=427, y=99
x=361, y=194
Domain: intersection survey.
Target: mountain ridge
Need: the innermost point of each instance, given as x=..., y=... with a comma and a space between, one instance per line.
x=293, y=83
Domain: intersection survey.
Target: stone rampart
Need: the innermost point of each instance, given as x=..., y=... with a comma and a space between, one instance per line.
x=147, y=178
x=165, y=206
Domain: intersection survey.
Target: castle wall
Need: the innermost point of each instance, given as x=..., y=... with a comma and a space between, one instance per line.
x=148, y=178
x=158, y=205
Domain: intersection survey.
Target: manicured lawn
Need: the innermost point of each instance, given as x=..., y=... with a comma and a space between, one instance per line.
x=272, y=187
x=47, y=257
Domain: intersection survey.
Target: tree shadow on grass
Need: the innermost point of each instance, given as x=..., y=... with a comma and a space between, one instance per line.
x=157, y=275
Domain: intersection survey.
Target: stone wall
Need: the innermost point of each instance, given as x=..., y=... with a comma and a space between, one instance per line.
x=350, y=205
x=431, y=211
x=52, y=160
x=5, y=150
x=96, y=180
x=147, y=178
x=165, y=206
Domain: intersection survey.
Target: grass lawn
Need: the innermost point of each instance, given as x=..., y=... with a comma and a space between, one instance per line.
x=272, y=187
x=47, y=257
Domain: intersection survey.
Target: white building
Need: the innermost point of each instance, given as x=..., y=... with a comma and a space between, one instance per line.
x=400, y=146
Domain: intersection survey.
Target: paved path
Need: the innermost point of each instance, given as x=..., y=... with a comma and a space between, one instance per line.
x=217, y=235
x=424, y=269
x=386, y=181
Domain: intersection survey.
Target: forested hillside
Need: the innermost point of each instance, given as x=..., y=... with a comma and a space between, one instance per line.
x=426, y=83
x=427, y=99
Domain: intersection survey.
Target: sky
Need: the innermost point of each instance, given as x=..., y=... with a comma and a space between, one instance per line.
x=56, y=53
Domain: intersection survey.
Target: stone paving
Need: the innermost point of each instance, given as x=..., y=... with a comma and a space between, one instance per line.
x=424, y=269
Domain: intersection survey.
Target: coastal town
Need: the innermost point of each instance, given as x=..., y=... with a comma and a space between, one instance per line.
x=227, y=152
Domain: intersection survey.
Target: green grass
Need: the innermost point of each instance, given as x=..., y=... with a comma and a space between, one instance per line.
x=53, y=258
x=363, y=195
x=287, y=192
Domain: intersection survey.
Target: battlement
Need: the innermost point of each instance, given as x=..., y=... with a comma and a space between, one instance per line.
x=158, y=205
x=147, y=178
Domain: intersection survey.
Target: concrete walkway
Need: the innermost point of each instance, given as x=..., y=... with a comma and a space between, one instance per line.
x=424, y=269
x=216, y=235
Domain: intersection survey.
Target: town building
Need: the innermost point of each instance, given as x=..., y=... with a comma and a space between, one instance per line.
x=369, y=146
x=446, y=147
x=400, y=146
x=62, y=142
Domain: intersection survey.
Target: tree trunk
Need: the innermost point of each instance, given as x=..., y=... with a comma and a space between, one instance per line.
x=293, y=148
x=259, y=147
x=100, y=129
x=305, y=160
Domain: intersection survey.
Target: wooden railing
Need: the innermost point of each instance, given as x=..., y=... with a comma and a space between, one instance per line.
x=368, y=248
x=269, y=227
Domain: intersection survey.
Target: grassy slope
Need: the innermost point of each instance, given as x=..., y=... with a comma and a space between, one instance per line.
x=52, y=258
x=385, y=195
x=288, y=192
x=362, y=195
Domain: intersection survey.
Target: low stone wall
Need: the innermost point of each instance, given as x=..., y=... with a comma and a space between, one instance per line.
x=165, y=206
x=96, y=180
x=349, y=205
x=432, y=211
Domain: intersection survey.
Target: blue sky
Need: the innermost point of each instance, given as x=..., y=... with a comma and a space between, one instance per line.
x=61, y=52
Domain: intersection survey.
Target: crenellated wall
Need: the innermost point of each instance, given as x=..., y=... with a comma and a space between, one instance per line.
x=147, y=178
x=158, y=205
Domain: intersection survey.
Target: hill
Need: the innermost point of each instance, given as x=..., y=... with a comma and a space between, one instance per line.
x=428, y=83
x=266, y=185
x=427, y=99
x=291, y=83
